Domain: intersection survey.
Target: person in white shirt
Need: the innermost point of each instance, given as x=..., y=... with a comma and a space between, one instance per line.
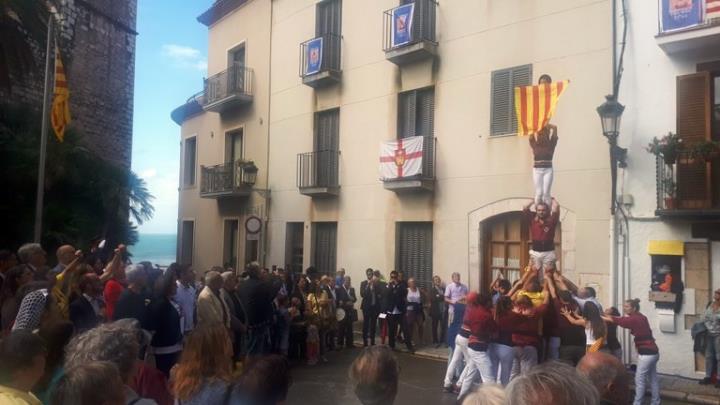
x=186, y=296
x=454, y=293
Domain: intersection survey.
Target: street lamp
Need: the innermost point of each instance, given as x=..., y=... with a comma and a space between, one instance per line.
x=610, y=113
x=249, y=174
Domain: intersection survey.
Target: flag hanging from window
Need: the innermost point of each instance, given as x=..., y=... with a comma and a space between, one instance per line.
x=712, y=9
x=535, y=105
x=60, y=113
x=401, y=158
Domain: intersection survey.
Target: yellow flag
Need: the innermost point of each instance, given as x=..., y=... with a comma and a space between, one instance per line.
x=535, y=105
x=60, y=114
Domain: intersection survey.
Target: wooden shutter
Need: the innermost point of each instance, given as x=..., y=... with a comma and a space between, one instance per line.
x=407, y=113
x=414, y=251
x=328, y=17
x=426, y=127
x=502, y=98
x=186, y=247
x=327, y=131
x=325, y=247
x=693, y=126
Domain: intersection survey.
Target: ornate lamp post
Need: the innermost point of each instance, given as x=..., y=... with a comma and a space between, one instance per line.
x=610, y=113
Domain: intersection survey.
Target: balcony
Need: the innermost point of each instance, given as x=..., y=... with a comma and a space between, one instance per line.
x=232, y=179
x=228, y=89
x=317, y=173
x=695, y=31
x=422, y=182
x=685, y=188
x=405, y=42
x=320, y=61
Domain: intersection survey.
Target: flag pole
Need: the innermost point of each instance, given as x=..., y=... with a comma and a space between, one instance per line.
x=49, y=57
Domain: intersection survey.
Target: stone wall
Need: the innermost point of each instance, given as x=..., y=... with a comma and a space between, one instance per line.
x=97, y=41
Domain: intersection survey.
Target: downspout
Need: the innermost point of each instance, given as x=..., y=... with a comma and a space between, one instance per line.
x=613, y=219
x=267, y=151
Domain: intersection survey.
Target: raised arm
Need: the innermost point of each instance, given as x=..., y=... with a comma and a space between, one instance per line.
x=113, y=265
x=551, y=287
x=546, y=292
x=71, y=266
x=571, y=317
x=554, y=206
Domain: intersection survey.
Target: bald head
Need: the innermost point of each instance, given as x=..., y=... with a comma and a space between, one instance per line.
x=65, y=254
x=608, y=375
x=213, y=280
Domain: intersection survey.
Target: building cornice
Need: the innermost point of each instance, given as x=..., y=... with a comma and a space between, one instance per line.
x=218, y=10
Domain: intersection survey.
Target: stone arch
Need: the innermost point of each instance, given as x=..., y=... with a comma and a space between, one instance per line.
x=476, y=217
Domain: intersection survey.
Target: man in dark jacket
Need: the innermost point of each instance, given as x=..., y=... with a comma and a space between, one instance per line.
x=134, y=302
x=395, y=308
x=371, y=300
x=88, y=310
x=346, y=298
x=256, y=297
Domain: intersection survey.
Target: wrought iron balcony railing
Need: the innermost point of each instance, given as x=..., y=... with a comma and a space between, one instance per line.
x=317, y=172
x=227, y=179
x=685, y=186
x=399, y=32
x=320, y=60
x=229, y=88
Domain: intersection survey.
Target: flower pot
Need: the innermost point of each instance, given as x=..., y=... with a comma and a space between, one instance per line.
x=670, y=158
x=669, y=203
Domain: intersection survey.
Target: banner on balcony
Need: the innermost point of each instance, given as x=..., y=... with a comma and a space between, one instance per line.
x=313, y=56
x=679, y=14
x=401, y=158
x=402, y=20
x=535, y=105
x=712, y=9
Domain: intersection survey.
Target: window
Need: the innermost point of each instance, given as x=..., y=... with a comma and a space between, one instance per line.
x=294, y=246
x=230, y=245
x=327, y=133
x=237, y=55
x=328, y=17
x=234, y=146
x=325, y=247
x=189, y=162
x=506, y=246
x=502, y=98
x=416, y=117
x=414, y=251
x=187, y=236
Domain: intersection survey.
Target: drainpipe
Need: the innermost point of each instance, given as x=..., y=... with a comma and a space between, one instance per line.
x=267, y=156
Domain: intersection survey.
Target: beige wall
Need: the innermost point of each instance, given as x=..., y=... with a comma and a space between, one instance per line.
x=569, y=39
x=248, y=24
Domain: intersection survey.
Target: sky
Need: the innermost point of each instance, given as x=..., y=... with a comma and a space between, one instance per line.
x=170, y=63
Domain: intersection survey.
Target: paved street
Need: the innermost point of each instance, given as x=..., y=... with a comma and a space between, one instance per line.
x=328, y=384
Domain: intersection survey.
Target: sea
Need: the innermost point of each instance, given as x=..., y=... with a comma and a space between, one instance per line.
x=155, y=248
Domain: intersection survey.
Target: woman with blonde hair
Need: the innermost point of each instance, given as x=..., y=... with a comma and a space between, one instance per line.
x=204, y=373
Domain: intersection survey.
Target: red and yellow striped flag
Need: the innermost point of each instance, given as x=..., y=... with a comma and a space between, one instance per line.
x=60, y=114
x=535, y=105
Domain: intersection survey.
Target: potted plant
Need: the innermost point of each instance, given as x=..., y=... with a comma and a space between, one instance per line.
x=670, y=192
x=668, y=147
x=706, y=150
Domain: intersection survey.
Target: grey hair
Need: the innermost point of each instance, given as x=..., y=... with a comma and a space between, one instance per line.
x=226, y=275
x=487, y=394
x=554, y=383
x=89, y=383
x=115, y=342
x=210, y=276
x=27, y=250
x=133, y=272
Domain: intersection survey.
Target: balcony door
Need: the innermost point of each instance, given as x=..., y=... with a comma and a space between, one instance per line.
x=325, y=247
x=236, y=68
x=416, y=117
x=231, y=241
x=294, y=246
x=328, y=25
x=327, y=130
x=233, y=154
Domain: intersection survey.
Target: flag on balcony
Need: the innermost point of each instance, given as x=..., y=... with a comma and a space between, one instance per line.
x=401, y=158
x=313, y=56
x=712, y=9
x=679, y=14
x=535, y=105
x=402, y=21
x=60, y=113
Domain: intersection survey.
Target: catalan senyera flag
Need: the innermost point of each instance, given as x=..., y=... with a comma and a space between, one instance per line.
x=60, y=113
x=535, y=105
x=712, y=9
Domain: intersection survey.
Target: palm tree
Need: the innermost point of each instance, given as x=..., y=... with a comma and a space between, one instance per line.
x=23, y=25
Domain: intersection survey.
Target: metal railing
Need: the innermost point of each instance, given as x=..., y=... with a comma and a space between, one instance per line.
x=684, y=184
x=223, y=178
x=236, y=80
x=422, y=25
x=706, y=18
x=428, y=162
x=330, y=55
x=318, y=169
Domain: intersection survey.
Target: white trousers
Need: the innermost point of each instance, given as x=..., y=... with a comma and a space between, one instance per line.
x=542, y=260
x=647, y=371
x=543, y=179
x=503, y=357
x=460, y=355
x=479, y=367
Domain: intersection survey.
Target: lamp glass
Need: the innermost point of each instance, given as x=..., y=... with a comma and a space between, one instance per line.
x=610, y=113
x=250, y=174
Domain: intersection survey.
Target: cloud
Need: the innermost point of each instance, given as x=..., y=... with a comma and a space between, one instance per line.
x=185, y=56
x=148, y=173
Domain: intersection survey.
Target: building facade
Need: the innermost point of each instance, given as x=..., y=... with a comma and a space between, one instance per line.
x=671, y=212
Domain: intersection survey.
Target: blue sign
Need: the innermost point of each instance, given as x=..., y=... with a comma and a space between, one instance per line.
x=313, y=56
x=679, y=14
x=402, y=21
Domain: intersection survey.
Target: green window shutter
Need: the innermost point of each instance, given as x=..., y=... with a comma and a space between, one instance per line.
x=328, y=17
x=327, y=133
x=325, y=247
x=414, y=251
x=407, y=113
x=503, y=119
x=521, y=76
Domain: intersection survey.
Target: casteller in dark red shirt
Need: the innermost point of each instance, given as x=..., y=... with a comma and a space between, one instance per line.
x=641, y=331
x=542, y=231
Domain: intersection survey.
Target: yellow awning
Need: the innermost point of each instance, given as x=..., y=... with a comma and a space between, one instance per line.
x=666, y=247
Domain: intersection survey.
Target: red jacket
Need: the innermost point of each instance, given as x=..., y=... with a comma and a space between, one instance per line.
x=640, y=329
x=481, y=324
x=527, y=328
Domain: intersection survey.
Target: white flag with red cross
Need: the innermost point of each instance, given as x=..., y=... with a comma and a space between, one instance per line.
x=401, y=158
